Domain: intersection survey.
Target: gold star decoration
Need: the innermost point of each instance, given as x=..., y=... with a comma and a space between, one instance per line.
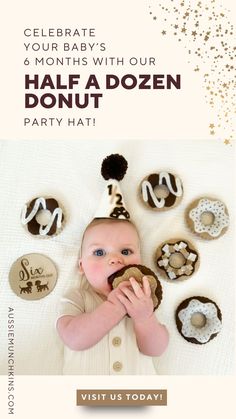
x=207, y=44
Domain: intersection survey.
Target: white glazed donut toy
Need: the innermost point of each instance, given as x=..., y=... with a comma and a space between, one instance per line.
x=198, y=319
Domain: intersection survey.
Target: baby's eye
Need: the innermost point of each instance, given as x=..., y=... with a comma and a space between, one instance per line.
x=126, y=252
x=99, y=252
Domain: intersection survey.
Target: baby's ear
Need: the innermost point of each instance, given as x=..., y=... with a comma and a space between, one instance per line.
x=80, y=266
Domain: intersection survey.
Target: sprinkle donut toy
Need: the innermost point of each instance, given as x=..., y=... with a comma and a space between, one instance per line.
x=208, y=218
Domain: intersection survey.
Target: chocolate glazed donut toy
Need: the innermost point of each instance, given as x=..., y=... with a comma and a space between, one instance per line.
x=208, y=218
x=43, y=217
x=161, y=191
x=177, y=259
x=198, y=319
x=138, y=272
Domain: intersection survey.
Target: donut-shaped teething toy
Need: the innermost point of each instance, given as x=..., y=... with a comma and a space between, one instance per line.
x=161, y=191
x=198, y=319
x=208, y=218
x=43, y=217
x=138, y=272
x=177, y=259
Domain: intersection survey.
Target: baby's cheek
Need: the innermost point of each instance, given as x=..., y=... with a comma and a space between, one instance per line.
x=95, y=268
x=135, y=260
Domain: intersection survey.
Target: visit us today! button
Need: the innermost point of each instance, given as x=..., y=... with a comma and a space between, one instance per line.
x=121, y=397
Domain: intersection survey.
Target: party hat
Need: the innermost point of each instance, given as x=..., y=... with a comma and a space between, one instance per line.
x=112, y=204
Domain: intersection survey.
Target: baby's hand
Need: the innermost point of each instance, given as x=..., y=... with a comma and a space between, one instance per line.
x=137, y=301
x=113, y=297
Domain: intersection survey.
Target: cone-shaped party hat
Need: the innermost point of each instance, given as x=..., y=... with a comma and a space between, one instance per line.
x=112, y=204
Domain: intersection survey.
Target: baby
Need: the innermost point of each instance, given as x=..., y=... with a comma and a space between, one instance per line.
x=99, y=336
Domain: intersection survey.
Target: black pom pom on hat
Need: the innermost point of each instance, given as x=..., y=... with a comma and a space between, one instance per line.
x=114, y=167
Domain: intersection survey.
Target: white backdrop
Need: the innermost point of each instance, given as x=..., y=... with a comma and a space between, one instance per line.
x=70, y=171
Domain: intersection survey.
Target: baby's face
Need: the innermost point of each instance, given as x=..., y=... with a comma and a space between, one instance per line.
x=106, y=248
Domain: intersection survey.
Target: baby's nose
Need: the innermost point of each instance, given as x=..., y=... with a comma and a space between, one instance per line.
x=115, y=259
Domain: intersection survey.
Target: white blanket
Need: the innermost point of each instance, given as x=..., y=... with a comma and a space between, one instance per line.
x=70, y=171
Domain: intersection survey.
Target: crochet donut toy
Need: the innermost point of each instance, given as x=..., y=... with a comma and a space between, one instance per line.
x=208, y=218
x=161, y=191
x=55, y=219
x=198, y=319
x=138, y=272
x=177, y=259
